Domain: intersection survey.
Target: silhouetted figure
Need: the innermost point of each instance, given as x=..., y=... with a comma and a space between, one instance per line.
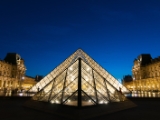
x=5, y=91
x=120, y=90
x=12, y=92
x=38, y=89
x=122, y=97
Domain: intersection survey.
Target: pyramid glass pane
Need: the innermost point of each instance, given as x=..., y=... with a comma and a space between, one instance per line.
x=102, y=99
x=70, y=89
x=72, y=100
x=64, y=84
x=98, y=78
x=78, y=81
x=86, y=100
x=56, y=99
x=36, y=97
x=87, y=73
x=101, y=89
x=44, y=96
x=89, y=90
x=57, y=89
x=110, y=87
x=59, y=78
x=102, y=72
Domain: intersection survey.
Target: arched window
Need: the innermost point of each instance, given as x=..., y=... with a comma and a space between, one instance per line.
x=157, y=74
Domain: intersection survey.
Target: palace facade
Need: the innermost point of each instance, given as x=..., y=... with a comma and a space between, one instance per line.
x=12, y=73
x=145, y=73
x=28, y=82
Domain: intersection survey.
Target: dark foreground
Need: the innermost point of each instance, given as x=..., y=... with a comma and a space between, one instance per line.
x=11, y=108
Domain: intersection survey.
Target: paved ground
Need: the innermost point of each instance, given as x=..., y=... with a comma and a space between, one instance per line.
x=12, y=109
x=147, y=109
x=82, y=113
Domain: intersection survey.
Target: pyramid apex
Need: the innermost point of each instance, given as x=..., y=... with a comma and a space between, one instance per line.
x=79, y=52
x=79, y=49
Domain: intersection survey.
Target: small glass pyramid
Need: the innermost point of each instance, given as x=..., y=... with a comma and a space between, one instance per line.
x=78, y=81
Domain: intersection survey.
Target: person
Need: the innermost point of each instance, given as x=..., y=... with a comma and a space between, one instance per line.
x=120, y=90
x=121, y=94
x=12, y=92
x=38, y=89
x=5, y=91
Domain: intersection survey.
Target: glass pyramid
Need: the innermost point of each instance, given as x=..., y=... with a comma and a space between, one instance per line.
x=78, y=81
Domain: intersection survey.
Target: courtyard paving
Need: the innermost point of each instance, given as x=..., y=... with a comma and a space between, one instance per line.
x=12, y=108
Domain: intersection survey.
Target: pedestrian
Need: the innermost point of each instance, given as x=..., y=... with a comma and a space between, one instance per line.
x=38, y=89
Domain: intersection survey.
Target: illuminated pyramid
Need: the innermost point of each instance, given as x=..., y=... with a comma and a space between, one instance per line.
x=78, y=81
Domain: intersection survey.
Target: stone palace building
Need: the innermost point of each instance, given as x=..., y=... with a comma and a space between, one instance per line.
x=145, y=73
x=12, y=73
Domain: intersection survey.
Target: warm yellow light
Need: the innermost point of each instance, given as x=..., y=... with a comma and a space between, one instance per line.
x=52, y=101
x=86, y=78
x=70, y=68
x=88, y=68
x=106, y=102
x=101, y=102
x=57, y=101
x=45, y=91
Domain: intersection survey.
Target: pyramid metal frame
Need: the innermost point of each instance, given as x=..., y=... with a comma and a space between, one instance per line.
x=78, y=81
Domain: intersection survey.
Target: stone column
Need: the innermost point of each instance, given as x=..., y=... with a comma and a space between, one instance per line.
x=2, y=82
x=9, y=83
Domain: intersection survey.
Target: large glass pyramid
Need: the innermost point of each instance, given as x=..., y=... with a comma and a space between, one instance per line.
x=78, y=81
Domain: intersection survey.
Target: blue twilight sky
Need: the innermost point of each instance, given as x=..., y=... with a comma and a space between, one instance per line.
x=112, y=32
